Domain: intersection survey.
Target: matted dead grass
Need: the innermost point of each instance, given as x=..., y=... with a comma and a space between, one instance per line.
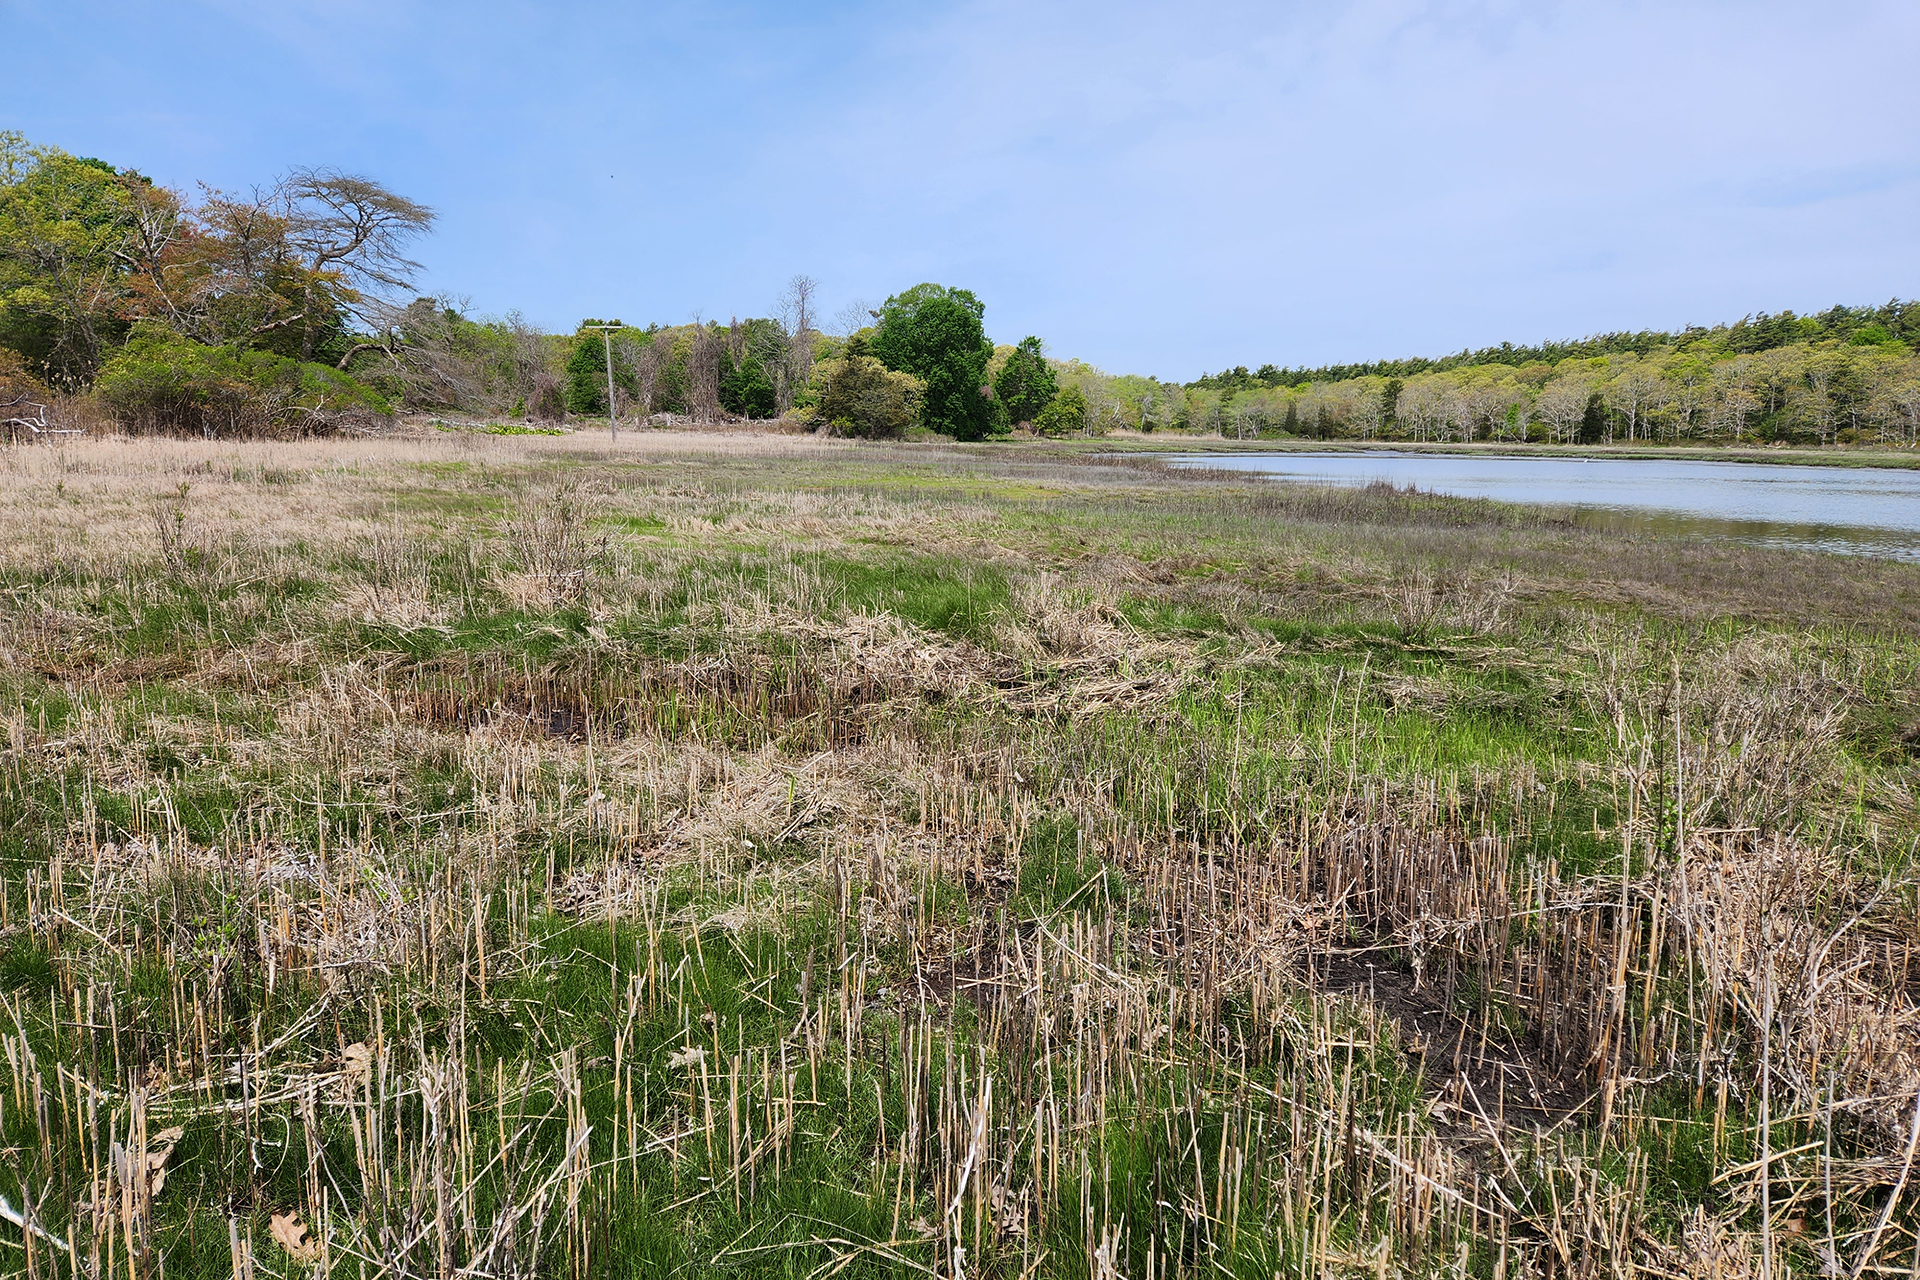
x=414, y=705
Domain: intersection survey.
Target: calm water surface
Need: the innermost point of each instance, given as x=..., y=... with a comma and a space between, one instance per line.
x=1855, y=510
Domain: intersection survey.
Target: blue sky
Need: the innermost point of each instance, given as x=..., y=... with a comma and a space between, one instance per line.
x=1156, y=188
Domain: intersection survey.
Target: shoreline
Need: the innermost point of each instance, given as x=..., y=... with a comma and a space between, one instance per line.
x=1785, y=456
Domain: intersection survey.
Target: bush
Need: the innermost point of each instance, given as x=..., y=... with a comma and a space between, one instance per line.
x=166, y=384
x=548, y=403
x=862, y=397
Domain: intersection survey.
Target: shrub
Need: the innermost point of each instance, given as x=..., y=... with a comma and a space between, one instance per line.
x=862, y=397
x=163, y=383
x=548, y=404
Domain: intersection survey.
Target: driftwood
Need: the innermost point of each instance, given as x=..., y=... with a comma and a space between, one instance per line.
x=32, y=425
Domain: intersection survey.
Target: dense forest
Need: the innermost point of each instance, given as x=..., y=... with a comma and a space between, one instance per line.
x=1848, y=374
x=294, y=309
x=1763, y=332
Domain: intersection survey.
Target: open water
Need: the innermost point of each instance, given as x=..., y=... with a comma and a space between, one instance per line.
x=1853, y=510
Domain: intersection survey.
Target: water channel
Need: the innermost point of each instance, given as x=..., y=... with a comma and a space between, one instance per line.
x=1852, y=510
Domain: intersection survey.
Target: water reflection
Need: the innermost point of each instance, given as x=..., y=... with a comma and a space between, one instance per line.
x=1852, y=510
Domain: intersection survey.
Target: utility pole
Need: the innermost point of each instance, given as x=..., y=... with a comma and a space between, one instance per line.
x=606, y=339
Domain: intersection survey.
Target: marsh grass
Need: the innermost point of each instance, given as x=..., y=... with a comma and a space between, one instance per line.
x=489, y=857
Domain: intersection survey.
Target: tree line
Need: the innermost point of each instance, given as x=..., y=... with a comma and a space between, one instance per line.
x=1747, y=336
x=292, y=307
x=924, y=361
x=1857, y=383
x=1848, y=374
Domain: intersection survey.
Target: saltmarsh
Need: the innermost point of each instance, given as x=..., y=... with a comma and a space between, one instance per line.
x=512, y=856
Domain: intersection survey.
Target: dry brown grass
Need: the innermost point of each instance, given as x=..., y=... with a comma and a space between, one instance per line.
x=332, y=767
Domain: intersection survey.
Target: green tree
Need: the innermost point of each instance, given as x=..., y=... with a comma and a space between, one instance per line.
x=1065, y=414
x=935, y=334
x=1026, y=385
x=65, y=227
x=585, y=379
x=754, y=354
x=745, y=388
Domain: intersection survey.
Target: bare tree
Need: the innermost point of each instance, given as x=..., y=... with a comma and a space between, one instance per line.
x=734, y=343
x=1149, y=410
x=1317, y=409
x=1522, y=417
x=653, y=362
x=1739, y=406
x=441, y=357
x=703, y=373
x=1105, y=409
x=798, y=324
x=1819, y=398
x=1454, y=412
x=548, y=402
x=1735, y=401
x=1686, y=395
x=529, y=354
x=1773, y=376
x=348, y=235
x=1210, y=417
x=646, y=357
x=422, y=345
x=1423, y=406
x=1251, y=416
x=1369, y=411
x=853, y=317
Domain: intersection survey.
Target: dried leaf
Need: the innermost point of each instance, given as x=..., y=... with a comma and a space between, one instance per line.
x=291, y=1234
x=159, y=1150
x=356, y=1068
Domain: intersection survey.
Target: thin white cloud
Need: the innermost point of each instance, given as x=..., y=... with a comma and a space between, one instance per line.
x=1153, y=186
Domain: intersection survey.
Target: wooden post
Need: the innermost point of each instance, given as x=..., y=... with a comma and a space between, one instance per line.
x=613, y=418
x=606, y=338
